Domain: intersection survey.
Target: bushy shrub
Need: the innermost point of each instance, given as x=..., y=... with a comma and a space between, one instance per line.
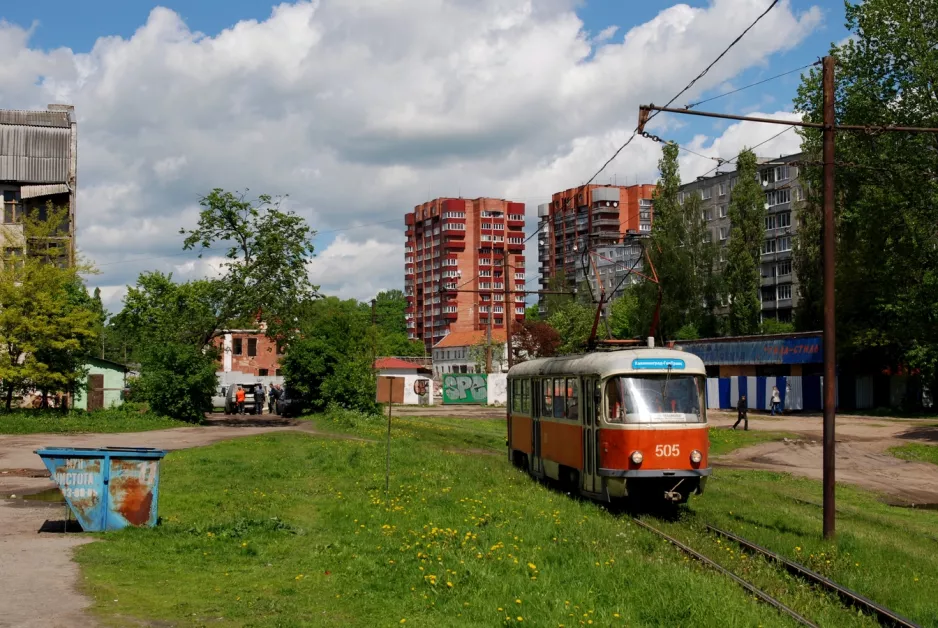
x=178, y=381
x=344, y=417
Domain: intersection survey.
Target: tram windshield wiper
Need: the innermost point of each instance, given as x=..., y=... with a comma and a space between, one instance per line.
x=664, y=395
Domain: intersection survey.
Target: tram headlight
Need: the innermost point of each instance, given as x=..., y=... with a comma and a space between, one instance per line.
x=696, y=457
x=637, y=457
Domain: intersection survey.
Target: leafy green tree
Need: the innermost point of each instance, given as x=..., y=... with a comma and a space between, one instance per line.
x=532, y=313
x=267, y=251
x=573, y=322
x=390, y=337
x=683, y=254
x=44, y=330
x=886, y=205
x=330, y=360
x=742, y=273
x=771, y=326
x=178, y=380
x=624, y=316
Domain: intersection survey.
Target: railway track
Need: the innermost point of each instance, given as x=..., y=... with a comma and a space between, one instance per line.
x=885, y=616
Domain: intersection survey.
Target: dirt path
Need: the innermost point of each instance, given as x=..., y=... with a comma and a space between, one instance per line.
x=37, y=576
x=861, y=453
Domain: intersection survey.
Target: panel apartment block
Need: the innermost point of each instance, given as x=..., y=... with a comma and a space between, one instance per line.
x=598, y=215
x=783, y=194
x=454, y=246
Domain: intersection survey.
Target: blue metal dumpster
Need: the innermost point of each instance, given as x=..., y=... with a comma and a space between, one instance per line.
x=107, y=489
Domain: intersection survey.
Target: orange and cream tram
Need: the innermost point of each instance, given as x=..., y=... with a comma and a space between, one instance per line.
x=626, y=423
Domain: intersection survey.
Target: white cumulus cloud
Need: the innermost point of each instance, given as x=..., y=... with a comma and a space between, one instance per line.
x=360, y=109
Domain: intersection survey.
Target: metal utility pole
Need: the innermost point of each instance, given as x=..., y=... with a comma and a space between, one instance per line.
x=830, y=347
x=828, y=129
x=374, y=333
x=509, y=305
x=488, y=338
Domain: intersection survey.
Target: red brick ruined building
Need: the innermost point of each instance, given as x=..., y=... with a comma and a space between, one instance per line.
x=248, y=351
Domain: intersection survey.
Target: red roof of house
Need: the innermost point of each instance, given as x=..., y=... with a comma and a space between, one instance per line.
x=383, y=364
x=470, y=338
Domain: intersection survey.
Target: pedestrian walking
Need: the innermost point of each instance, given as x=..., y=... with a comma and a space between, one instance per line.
x=742, y=410
x=776, y=401
x=259, y=399
x=239, y=399
x=271, y=399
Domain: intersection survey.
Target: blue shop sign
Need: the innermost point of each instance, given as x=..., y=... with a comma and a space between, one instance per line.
x=774, y=351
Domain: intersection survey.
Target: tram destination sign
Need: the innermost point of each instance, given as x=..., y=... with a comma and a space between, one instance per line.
x=657, y=363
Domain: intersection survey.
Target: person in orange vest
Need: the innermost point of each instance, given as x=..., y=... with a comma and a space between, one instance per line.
x=239, y=398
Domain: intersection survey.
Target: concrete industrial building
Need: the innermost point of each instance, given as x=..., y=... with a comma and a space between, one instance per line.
x=454, y=274
x=783, y=195
x=601, y=216
x=38, y=165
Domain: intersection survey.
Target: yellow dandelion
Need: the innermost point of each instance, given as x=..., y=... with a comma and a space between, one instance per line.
x=517, y=601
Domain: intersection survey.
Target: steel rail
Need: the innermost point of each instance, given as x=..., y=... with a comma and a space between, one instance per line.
x=759, y=593
x=885, y=616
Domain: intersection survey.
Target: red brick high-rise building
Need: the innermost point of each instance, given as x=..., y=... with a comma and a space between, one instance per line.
x=598, y=216
x=459, y=244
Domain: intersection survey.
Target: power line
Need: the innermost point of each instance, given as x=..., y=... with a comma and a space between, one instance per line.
x=771, y=78
x=687, y=87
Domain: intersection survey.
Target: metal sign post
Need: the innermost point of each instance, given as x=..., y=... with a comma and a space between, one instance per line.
x=390, y=390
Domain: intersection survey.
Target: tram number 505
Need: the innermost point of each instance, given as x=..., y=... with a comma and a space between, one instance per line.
x=667, y=451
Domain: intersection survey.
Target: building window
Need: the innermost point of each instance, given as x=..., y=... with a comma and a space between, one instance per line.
x=724, y=233
x=262, y=372
x=277, y=372
x=767, y=294
x=706, y=193
x=778, y=197
x=769, y=222
x=783, y=220
x=768, y=246
x=784, y=244
x=783, y=269
x=784, y=292
x=11, y=209
x=237, y=347
x=722, y=211
x=781, y=173
x=797, y=194
x=252, y=347
x=722, y=189
x=706, y=214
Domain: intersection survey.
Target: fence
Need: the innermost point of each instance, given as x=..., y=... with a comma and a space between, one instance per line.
x=806, y=392
x=797, y=393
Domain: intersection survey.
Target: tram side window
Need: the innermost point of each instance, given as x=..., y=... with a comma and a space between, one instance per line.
x=573, y=398
x=548, y=398
x=526, y=397
x=615, y=406
x=560, y=408
x=516, y=396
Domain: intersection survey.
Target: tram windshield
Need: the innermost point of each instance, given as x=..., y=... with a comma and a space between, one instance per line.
x=654, y=399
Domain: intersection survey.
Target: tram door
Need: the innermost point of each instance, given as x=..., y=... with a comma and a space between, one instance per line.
x=537, y=390
x=591, y=480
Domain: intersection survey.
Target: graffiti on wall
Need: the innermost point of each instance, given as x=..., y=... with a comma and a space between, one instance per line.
x=465, y=388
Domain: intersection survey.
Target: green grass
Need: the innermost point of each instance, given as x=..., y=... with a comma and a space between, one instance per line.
x=888, y=553
x=102, y=421
x=916, y=452
x=292, y=530
x=723, y=441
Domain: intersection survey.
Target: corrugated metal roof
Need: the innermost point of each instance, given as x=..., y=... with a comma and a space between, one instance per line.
x=33, y=191
x=35, y=118
x=34, y=154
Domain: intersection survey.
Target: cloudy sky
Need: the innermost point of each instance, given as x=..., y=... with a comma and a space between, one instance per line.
x=361, y=109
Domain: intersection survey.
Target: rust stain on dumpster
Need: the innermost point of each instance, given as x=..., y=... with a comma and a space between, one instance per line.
x=133, y=499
